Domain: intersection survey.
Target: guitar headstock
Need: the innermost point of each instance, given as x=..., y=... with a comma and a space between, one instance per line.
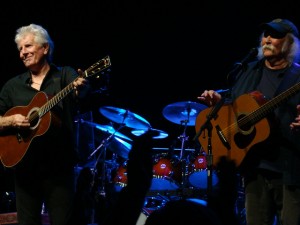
x=97, y=67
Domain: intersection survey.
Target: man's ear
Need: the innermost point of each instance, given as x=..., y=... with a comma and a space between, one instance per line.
x=46, y=46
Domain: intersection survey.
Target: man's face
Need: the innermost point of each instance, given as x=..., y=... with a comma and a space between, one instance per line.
x=272, y=43
x=30, y=52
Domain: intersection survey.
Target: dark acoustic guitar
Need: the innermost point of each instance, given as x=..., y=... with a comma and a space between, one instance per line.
x=240, y=125
x=14, y=143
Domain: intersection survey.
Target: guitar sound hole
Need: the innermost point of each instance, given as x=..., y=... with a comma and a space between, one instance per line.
x=243, y=140
x=246, y=126
x=34, y=122
x=246, y=135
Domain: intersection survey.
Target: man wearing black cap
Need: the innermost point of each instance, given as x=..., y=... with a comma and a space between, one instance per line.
x=271, y=168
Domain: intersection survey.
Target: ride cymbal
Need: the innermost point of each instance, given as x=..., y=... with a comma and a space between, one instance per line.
x=125, y=117
x=184, y=113
x=160, y=134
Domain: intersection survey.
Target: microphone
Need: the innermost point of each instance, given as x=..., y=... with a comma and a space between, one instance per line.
x=241, y=65
x=253, y=52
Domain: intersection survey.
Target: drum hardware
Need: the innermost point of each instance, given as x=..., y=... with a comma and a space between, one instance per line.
x=103, y=145
x=175, y=149
x=114, y=139
x=183, y=138
x=185, y=114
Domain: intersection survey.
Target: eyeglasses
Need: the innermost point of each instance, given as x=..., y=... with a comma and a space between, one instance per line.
x=274, y=34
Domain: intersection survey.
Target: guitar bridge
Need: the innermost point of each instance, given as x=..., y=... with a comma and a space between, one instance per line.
x=222, y=137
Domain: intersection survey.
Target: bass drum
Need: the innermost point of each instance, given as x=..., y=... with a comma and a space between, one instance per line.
x=166, y=171
x=197, y=175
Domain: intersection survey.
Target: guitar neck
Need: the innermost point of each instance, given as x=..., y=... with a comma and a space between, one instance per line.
x=56, y=99
x=272, y=104
x=93, y=70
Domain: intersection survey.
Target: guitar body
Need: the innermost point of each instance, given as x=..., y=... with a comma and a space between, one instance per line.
x=15, y=142
x=231, y=137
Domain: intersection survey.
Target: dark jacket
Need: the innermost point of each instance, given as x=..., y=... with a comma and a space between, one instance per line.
x=282, y=147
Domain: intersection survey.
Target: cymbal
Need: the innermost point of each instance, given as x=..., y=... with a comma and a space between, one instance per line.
x=107, y=129
x=116, y=145
x=125, y=117
x=183, y=112
x=120, y=147
x=160, y=134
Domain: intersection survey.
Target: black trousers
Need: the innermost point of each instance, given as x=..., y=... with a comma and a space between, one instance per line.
x=291, y=205
x=263, y=199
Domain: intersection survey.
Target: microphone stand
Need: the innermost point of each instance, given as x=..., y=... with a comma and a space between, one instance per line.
x=209, y=157
x=231, y=79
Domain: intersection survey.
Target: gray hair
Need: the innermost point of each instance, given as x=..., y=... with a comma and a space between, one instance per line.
x=293, y=50
x=41, y=37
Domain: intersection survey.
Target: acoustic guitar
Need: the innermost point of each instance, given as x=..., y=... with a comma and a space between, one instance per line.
x=239, y=125
x=14, y=143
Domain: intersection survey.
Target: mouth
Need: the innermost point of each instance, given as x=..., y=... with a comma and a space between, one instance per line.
x=27, y=59
x=268, y=47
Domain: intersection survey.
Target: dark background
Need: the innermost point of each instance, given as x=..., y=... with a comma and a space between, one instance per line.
x=162, y=52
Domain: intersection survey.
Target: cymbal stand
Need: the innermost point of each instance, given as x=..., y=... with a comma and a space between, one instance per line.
x=182, y=157
x=103, y=154
x=103, y=144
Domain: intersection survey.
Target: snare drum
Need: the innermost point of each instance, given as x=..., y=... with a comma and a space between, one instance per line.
x=198, y=172
x=164, y=172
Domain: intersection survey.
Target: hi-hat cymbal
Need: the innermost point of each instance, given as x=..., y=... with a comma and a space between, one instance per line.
x=125, y=117
x=107, y=129
x=184, y=113
x=120, y=147
x=160, y=134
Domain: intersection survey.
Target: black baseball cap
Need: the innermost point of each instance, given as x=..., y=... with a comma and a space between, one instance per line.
x=281, y=26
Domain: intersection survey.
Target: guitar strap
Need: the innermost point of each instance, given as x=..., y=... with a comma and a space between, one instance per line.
x=290, y=78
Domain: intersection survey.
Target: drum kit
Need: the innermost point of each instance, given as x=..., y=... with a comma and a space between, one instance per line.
x=171, y=172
